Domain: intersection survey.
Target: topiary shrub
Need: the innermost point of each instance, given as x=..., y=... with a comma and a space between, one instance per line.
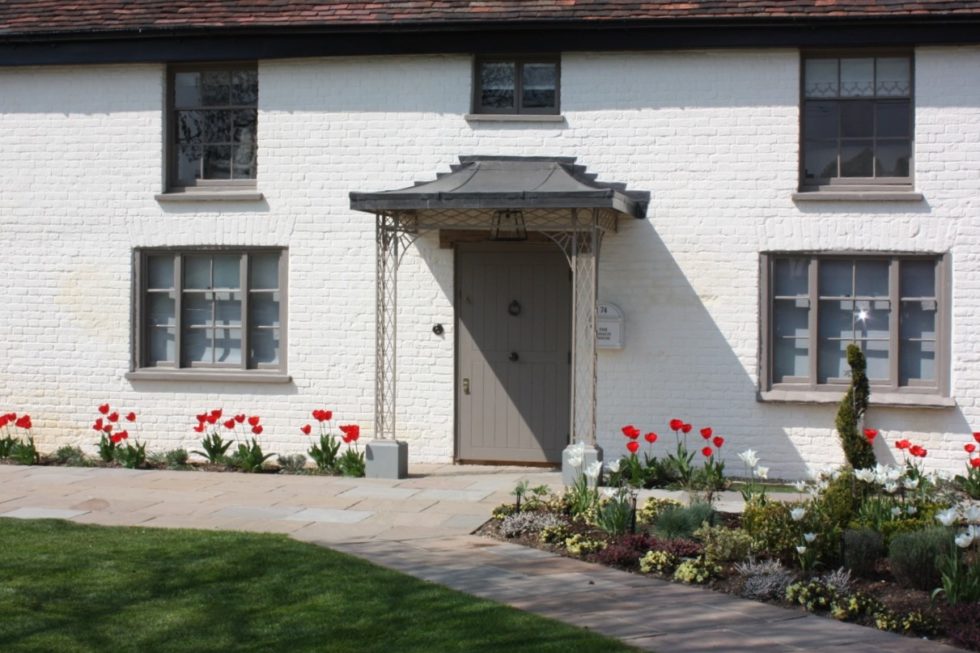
x=772, y=529
x=914, y=557
x=857, y=449
x=863, y=548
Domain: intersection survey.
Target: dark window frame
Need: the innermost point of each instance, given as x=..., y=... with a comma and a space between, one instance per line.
x=810, y=384
x=173, y=184
x=856, y=184
x=518, y=60
x=141, y=324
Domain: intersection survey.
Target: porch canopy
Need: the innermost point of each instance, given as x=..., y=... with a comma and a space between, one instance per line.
x=507, y=196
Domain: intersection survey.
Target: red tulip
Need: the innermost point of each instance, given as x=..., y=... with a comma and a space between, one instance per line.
x=257, y=429
x=970, y=448
x=230, y=423
x=650, y=437
x=633, y=446
x=104, y=409
x=11, y=416
x=976, y=436
x=676, y=424
x=211, y=419
x=631, y=432
x=202, y=418
x=706, y=452
x=23, y=422
x=98, y=425
x=903, y=444
x=115, y=439
x=254, y=420
x=199, y=428
x=706, y=432
x=107, y=428
x=131, y=417
x=686, y=428
x=113, y=417
x=351, y=431
x=718, y=441
x=306, y=428
x=918, y=451
x=975, y=462
x=216, y=413
x=870, y=434
x=122, y=435
x=321, y=415
x=240, y=418
x=3, y=421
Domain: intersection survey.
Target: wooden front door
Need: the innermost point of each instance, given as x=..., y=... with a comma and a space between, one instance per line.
x=513, y=308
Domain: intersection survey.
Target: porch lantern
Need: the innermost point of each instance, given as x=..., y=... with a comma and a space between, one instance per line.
x=509, y=196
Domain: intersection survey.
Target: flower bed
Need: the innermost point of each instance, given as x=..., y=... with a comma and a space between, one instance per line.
x=889, y=547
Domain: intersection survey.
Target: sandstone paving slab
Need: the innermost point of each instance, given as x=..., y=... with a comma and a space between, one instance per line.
x=36, y=512
x=462, y=508
x=429, y=520
x=330, y=534
x=386, y=505
x=453, y=495
x=466, y=523
x=330, y=515
x=312, y=501
x=256, y=513
x=106, y=518
x=380, y=492
x=405, y=534
x=106, y=503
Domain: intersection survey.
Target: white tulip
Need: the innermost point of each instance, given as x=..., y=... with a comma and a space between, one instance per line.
x=964, y=540
x=592, y=471
x=801, y=550
x=866, y=475
x=800, y=486
x=809, y=537
x=947, y=517
x=797, y=513
x=911, y=510
x=910, y=483
x=749, y=457
x=890, y=487
x=613, y=466
x=896, y=511
x=762, y=472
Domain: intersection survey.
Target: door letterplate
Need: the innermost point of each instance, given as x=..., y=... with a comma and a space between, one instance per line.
x=466, y=386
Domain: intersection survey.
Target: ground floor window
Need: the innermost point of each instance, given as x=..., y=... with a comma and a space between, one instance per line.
x=893, y=307
x=211, y=308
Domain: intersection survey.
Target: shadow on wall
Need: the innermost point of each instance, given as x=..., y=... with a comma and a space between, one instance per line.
x=679, y=362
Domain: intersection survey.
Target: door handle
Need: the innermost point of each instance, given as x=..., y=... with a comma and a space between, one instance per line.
x=466, y=386
x=513, y=357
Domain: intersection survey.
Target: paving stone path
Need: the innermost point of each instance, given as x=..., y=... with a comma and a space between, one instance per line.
x=421, y=526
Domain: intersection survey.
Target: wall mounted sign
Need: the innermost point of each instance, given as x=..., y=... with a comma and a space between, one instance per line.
x=609, y=326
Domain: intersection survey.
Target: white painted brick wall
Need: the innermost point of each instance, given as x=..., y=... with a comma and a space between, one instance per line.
x=713, y=136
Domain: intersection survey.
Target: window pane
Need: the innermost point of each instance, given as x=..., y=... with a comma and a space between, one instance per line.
x=264, y=273
x=216, y=125
x=160, y=309
x=217, y=162
x=160, y=272
x=264, y=345
x=187, y=89
x=228, y=346
x=836, y=319
x=215, y=87
x=918, y=278
x=894, y=76
x=856, y=159
x=243, y=124
x=832, y=360
x=918, y=320
x=820, y=159
x=497, y=85
x=228, y=309
x=822, y=120
x=162, y=346
x=190, y=126
x=871, y=278
x=857, y=77
x=917, y=361
x=243, y=162
x=893, y=158
x=197, y=272
x=821, y=78
x=857, y=119
x=265, y=308
x=870, y=323
x=538, y=85
x=227, y=271
x=789, y=320
x=893, y=119
x=197, y=309
x=835, y=278
x=876, y=355
x=190, y=158
x=196, y=344
x=791, y=276
x=244, y=87
x=790, y=358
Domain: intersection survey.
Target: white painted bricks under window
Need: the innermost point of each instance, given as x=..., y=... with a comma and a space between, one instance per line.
x=713, y=136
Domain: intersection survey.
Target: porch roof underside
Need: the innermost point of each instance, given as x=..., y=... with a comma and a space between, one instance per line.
x=481, y=183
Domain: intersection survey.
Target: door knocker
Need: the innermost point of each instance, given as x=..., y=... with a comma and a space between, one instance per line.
x=514, y=308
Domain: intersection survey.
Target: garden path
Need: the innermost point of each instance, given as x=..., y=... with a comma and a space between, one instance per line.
x=421, y=526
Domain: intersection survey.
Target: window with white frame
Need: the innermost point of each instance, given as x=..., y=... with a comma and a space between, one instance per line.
x=221, y=309
x=893, y=307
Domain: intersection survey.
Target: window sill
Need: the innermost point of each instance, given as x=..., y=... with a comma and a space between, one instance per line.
x=210, y=196
x=857, y=196
x=514, y=117
x=890, y=399
x=252, y=376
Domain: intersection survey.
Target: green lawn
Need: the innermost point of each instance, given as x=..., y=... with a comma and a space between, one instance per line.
x=67, y=587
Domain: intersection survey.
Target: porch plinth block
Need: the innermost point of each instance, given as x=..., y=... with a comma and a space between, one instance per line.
x=386, y=459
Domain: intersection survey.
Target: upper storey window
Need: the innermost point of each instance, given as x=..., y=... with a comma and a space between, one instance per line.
x=857, y=121
x=516, y=85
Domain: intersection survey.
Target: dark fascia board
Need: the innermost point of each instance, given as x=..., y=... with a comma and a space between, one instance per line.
x=441, y=201
x=235, y=44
